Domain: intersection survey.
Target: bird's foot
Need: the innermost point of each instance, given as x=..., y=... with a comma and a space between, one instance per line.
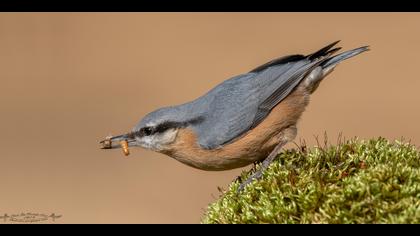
x=255, y=165
x=254, y=168
x=265, y=164
x=257, y=175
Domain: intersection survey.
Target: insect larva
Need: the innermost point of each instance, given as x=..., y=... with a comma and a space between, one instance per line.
x=124, y=146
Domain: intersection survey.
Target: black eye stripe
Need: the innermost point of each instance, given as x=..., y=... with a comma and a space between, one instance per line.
x=150, y=130
x=167, y=125
x=146, y=131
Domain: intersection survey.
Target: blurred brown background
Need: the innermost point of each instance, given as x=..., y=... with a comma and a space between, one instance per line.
x=70, y=79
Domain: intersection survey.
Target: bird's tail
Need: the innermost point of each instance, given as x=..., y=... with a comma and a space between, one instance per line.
x=328, y=63
x=334, y=60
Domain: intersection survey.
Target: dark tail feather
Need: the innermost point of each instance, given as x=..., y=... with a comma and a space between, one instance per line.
x=343, y=56
x=332, y=51
x=323, y=51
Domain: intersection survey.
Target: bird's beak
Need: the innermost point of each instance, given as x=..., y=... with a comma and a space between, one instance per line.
x=119, y=141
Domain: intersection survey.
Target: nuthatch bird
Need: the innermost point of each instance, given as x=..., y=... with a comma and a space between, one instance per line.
x=243, y=120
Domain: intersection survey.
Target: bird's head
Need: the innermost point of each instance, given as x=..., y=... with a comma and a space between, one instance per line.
x=156, y=131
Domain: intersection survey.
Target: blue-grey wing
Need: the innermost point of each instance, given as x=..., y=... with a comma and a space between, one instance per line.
x=240, y=103
x=229, y=111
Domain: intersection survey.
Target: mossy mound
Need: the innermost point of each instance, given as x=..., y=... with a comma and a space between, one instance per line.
x=374, y=181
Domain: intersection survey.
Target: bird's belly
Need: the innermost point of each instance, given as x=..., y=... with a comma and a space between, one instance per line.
x=224, y=158
x=256, y=147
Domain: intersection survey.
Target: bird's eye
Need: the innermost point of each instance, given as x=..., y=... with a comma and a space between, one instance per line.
x=147, y=131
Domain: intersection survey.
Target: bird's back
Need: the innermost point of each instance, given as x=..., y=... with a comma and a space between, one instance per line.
x=241, y=103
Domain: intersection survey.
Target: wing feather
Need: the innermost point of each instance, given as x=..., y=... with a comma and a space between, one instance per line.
x=281, y=92
x=242, y=102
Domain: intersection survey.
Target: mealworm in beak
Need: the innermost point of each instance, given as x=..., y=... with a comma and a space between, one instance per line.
x=124, y=146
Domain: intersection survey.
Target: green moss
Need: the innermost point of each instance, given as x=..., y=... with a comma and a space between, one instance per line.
x=373, y=181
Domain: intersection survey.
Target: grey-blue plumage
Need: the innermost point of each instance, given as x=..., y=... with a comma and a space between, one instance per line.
x=240, y=103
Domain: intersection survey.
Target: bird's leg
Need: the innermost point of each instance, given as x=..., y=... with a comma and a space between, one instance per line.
x=265, y=164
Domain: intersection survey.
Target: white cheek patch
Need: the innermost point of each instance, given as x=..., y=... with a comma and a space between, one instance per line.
x=158, y=141
x=167, y=137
